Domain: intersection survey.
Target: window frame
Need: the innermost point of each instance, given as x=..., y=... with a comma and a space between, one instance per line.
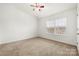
x=55, y=25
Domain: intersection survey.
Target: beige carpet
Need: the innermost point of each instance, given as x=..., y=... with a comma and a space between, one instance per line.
x=37, y=47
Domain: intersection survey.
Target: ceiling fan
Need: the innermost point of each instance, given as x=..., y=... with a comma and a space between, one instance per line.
x=37, y=6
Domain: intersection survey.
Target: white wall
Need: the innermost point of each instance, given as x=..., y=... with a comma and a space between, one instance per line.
x=78, y=27
x=15, y=24
x=70, y=34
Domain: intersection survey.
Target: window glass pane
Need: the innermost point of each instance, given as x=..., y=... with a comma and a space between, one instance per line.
x=60, y=26
x=50, y=26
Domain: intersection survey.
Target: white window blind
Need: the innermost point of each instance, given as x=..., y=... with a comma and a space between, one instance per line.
x=50, y=23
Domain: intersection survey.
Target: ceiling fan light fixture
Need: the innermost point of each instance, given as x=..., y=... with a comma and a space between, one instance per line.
x=38, y=6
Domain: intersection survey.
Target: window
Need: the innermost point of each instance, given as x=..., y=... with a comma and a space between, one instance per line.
x=56, y=26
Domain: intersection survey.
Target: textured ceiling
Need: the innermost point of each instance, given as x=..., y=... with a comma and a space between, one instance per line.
x=50, y=8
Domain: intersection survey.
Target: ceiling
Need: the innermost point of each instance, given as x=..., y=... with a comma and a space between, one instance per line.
x=50, y=8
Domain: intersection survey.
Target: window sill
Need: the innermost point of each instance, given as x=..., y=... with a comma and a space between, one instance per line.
x=56, y=34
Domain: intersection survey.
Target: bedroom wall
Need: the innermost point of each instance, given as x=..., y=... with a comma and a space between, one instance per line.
x=78, y=27
x=70, y=35
x=15, y=25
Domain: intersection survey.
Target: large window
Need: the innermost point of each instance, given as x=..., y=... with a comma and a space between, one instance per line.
x=56, y=26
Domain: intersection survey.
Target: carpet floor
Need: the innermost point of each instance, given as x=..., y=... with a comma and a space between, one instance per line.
x=37, y=47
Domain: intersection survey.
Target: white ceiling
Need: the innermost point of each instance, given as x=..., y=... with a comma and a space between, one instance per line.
x=50, y=8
